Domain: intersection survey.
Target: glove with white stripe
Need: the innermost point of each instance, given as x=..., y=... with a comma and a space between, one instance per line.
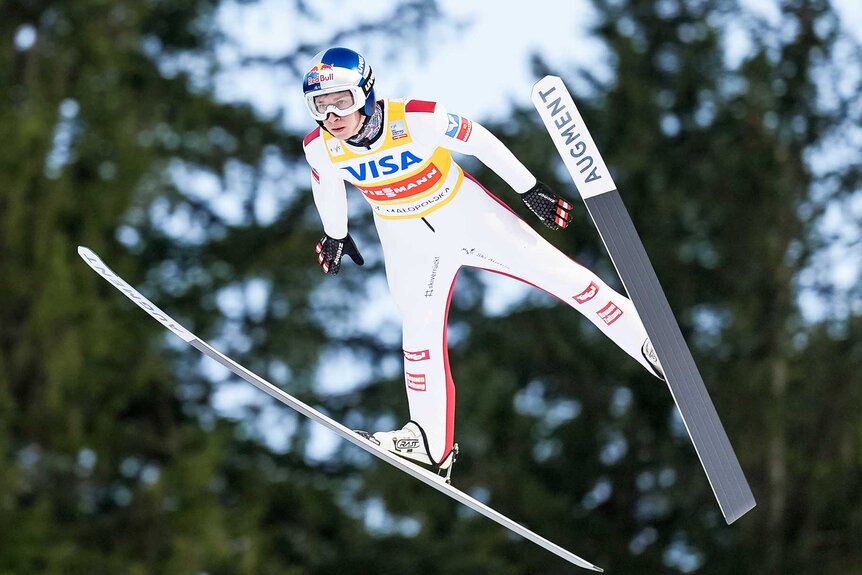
x=548, y=206
x=331, y=250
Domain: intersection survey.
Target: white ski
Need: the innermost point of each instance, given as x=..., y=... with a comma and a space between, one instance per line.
x=416, y=471
x=593, y=180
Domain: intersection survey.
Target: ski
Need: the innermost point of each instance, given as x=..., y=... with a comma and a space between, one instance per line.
x=595, y=185
x=437, y=482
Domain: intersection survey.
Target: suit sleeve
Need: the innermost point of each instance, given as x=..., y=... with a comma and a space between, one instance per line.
x=462, y=135
x=330, y=194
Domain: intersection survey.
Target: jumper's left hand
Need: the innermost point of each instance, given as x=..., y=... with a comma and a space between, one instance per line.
x=550, y=208
x=330, y=251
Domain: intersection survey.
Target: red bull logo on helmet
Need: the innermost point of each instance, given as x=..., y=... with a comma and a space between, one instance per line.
x=319, y=73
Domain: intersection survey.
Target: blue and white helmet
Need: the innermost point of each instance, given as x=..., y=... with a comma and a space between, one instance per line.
x=338, y=72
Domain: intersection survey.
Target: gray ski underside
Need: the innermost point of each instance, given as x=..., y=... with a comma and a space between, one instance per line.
x=686, y=385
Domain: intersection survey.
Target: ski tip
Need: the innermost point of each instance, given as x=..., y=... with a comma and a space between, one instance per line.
x=88, y=256
x=549, y=78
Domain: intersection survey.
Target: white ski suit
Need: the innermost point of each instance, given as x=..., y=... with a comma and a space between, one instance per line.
x=432, y=218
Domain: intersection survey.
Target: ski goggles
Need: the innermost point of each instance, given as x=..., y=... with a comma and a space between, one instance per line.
x=341, y=102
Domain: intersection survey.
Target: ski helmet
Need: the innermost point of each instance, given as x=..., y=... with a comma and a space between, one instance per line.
x=339, y=70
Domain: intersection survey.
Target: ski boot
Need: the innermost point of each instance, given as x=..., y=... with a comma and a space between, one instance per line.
x=652, y=359
x=410, y=443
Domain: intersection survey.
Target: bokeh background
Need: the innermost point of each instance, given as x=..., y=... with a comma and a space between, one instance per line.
x=166, y=136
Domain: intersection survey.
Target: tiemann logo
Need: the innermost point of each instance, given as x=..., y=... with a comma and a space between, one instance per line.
x=459, y=128
x=319, y=73
x=410, y=186
x=417, y=355
x=610, y=313
x=416, y=381
x=587, y=294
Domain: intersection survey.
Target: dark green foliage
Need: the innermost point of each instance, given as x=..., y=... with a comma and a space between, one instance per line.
x=715, y=164
x=115, y=459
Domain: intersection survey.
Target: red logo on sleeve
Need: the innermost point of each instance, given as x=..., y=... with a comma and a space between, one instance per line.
x=315, y=175
x=464, y=130
x=459, y=128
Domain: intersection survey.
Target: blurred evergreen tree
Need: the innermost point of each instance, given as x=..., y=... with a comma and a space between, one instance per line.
x=114, y=458
x=117, y=459
x=718, y=163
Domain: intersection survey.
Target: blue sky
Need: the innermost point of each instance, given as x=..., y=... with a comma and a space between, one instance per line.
x=487, y=58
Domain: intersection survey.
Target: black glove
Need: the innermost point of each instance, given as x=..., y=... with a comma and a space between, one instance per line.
x=548, y=206
x=331, y=250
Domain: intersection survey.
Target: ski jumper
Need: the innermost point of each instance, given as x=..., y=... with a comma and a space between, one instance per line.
x=432, y=218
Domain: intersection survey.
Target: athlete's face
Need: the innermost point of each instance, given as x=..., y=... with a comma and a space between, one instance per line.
x=343, y=127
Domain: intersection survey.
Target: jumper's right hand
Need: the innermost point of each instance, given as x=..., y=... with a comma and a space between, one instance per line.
x=550, y=208
x=330, y=251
